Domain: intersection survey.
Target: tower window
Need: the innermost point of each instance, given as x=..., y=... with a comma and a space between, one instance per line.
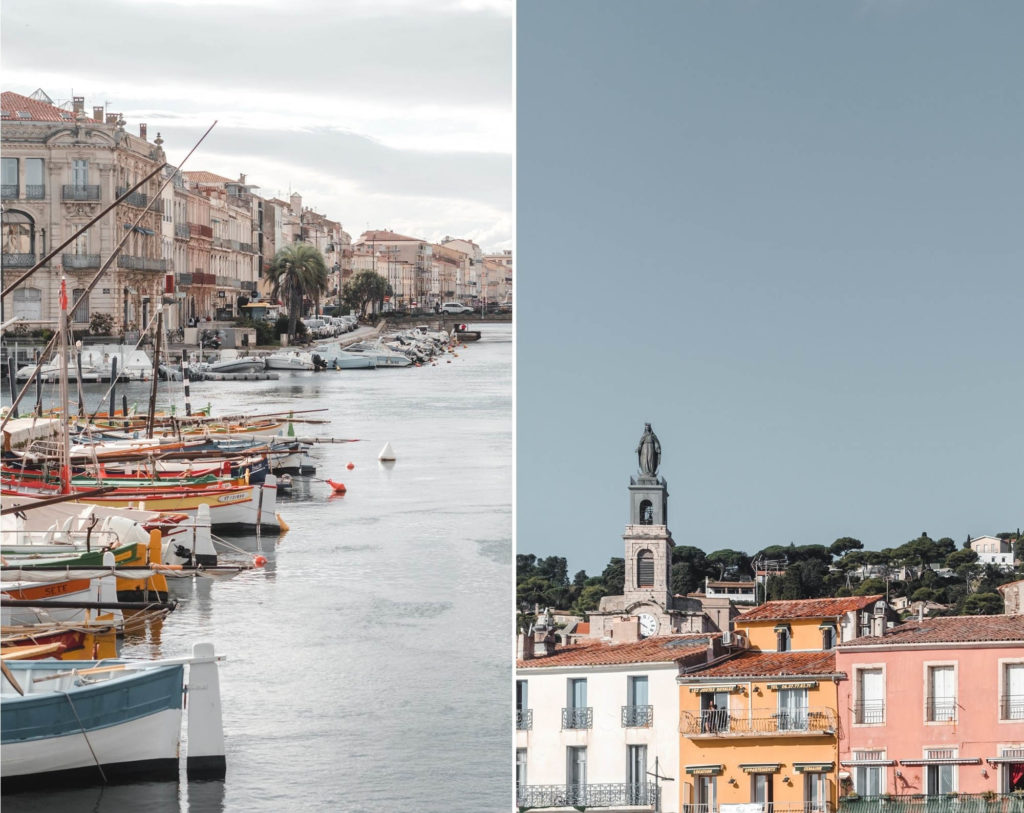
x=645, y=569
x=646, y=513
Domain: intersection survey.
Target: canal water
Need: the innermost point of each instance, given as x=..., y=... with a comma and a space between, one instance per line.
x=367, y=664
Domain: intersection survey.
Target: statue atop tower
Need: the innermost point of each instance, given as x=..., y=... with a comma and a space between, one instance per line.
x=648, y=453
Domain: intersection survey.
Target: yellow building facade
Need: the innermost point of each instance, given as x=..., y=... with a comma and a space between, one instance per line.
x=759, y=726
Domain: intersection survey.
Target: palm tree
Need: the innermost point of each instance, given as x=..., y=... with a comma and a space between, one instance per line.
x=298, y=271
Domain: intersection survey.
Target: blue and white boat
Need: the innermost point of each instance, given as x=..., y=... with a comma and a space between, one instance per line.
x=110, y=721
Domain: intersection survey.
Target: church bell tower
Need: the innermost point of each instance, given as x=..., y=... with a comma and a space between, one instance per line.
x=648, y=541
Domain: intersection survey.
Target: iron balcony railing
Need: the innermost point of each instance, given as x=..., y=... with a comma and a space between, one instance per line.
x=940, y=709
x=183, y=278
x=637, y=716
x=769, y=807
x=85, y=192
x=18, y=260
x=607, y=794
x=141, y=263
x=9, y=191
x=182, y=230
x=869, y=712
x=35, y=191
x=946, y=803
x=758, y=722
x=1013, y=706
x=578, y=717
x=524, y=719
x=80, y=260
x=140, y=199
x=199, y=230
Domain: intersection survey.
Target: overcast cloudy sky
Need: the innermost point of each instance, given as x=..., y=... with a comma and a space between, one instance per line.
x=382, y=114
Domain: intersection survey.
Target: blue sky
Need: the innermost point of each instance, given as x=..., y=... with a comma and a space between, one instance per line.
x=788, y=235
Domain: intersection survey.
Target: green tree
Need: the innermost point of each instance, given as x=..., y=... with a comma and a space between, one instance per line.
x=982, y=604
x=689, y=567
x=844, y=545
x=362, y=289
x=614, y=576
x=297, y=272
x=728, y=562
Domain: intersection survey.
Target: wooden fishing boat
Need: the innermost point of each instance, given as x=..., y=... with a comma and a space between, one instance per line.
x=65, y=727
x=67, y=642
x=232, y=507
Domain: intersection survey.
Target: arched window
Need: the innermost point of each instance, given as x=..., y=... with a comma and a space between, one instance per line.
x=646, y=513
x=645, y=569
x=19, y=238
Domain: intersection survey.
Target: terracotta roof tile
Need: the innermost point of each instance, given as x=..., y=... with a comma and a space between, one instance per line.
x=385, y=236
x=953, y=629
x=771, y=664
x=658, y=649
x=808, y=608
x=14, y=103
x=201, y=176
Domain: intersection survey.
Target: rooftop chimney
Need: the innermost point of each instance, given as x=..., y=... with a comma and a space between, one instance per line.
x=78, y=104
x=111, y=118
x=626, y=630
x=525, y=647
x=142, y=131
x=97, y=114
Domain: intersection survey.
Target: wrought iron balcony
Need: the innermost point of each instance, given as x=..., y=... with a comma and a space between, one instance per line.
x=524, y=719
x=637, y=716
x=770, y=807
x=141, y=263
x=940, y=709
x=869, y=712
x=199, y=230
x=608, y=794
x=140, y=199
x=946, y=803
x=9, y=191
x=183, y=278
x=245, y=247
x=19, y=260
x=80, y=260
x=758, y=723
x=182, y=230
x=1012, y=706
x=199, y=278
x=578, y=718
x=86, y=192
x=35, y=191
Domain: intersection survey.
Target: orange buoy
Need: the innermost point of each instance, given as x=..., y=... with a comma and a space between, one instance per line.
x=350, y=466
x=259, y=561
x=339, y=488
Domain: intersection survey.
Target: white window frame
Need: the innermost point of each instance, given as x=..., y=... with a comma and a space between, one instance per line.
x=1004, y=717
x=930, y=753
x=883, y=771
x=858, y=699
x=929, y=700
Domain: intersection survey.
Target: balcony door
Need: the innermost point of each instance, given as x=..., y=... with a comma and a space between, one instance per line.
x=714, y=712
x=816, y=792
x=792, y=709
x=577, y=698
x=79, y=173
x=636, y=775
x=576, y=775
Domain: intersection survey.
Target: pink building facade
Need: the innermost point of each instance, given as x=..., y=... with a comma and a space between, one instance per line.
x=934, y=707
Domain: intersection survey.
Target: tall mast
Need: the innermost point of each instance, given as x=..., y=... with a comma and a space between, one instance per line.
x=65, y=446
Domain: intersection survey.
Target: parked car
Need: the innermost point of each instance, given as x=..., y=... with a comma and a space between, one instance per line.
x=455, y=307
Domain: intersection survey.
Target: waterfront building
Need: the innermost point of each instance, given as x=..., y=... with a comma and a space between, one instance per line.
x=760, y=725
x=61, y=167
x=933, y=707
x=596, y=721
x=404, y=261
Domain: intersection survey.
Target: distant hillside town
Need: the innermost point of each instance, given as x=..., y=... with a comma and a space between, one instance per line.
x=196, y=242
x=802, y=679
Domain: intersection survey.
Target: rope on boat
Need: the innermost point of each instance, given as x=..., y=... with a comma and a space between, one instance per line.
x=84, y=734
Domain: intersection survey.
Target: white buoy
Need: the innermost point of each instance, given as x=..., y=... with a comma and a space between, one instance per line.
x=205, y=758
x=387, y=454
